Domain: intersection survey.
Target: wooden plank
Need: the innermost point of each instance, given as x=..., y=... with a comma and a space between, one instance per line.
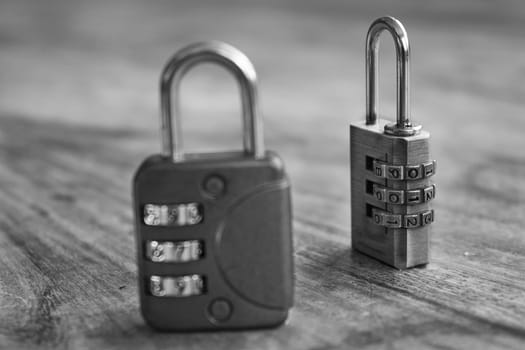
x=78, y=113
x=68, y=261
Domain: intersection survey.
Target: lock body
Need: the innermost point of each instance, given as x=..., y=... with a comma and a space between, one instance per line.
x=391, y=194
x=214, y=241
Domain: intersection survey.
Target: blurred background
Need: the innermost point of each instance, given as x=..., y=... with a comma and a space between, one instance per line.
x=98, y=63
x=79, y=111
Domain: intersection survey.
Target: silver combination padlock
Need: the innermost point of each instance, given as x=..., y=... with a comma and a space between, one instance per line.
x=391, y=168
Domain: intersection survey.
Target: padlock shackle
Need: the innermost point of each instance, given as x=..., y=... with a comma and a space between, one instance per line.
x=403, y=125
x=232, y=60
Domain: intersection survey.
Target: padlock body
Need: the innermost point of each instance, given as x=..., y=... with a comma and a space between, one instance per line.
x=391, y=194
x=232, y=265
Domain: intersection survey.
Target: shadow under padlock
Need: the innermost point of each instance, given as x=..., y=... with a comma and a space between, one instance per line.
x=213, y=231
x=391, y=168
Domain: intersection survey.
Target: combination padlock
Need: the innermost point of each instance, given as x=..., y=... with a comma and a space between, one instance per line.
x=391, y=189
x=213, y=231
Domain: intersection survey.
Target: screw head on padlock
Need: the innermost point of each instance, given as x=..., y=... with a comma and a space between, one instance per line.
x=213, y=231
x=391, y=168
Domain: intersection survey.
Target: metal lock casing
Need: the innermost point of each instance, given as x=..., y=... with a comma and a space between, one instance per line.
x=391, y=170
x=399, y=247
x=226, y=216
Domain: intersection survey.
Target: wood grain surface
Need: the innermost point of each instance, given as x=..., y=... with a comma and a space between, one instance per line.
x=79, y=112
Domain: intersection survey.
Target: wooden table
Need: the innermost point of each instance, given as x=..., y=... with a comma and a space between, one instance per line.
x=79, y=111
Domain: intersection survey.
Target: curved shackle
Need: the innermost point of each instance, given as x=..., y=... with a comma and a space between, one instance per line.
x=235, y=62
x=403, y=126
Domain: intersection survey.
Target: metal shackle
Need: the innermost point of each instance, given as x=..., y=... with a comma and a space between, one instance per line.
x=235, y=62
x=403, y=126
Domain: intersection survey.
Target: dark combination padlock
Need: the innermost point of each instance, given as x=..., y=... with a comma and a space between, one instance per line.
x=213, y=231
x=391, y=168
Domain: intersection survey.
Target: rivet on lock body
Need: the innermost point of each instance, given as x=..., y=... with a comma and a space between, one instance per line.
x=213, y=231
x=391, y=168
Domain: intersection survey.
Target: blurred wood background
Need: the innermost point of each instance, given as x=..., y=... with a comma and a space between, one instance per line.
x=79, y=111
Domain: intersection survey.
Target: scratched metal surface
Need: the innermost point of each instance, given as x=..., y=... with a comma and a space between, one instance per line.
x=79, y=111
